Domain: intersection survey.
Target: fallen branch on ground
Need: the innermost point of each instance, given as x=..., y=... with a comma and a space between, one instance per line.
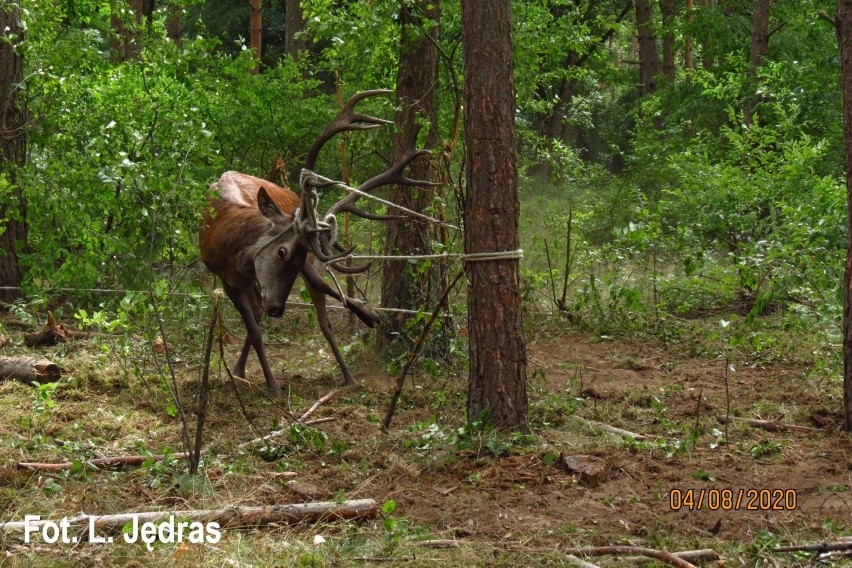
x=614, y=430
x=661, y=555
x=816, y=547
x=96, y=462
x=238, y=516
x=316, y=405
x=299, y=420
x=438, y=543
x=694, y=556
x=769, y=425
x=579, y=562
x=29, y=369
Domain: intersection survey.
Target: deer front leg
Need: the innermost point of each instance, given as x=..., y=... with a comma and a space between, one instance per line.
x=361, y=309
x=318, y=299
x=246, y=301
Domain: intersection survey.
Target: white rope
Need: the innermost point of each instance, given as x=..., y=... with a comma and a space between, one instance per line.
x=316, y=179
x=471, y=257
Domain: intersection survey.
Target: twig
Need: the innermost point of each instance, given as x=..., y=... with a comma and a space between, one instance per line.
x=300, y=420
x=204, y=388
x=661, y=555
x=97, y=462
x=614, y=430
x=316, y=405
x=400, y=381
x=550, y=273
x=816, y=547
x=579, y=562
x=727, y=399
x=319, y=421
x=769, y=425
x=437, y=543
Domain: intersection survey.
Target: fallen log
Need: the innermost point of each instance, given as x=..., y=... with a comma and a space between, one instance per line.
x=768, y=425
x=96, y=462
x=28, y=369
x=232, y=517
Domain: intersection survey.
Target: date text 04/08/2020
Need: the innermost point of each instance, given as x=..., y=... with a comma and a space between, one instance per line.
x=733, y=499
x=170, y=531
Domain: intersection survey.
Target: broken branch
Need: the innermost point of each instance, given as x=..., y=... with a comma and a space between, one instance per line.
x=769, y=425
x=97, y=462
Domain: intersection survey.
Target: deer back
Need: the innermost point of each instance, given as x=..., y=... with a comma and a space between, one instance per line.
x=247, y=236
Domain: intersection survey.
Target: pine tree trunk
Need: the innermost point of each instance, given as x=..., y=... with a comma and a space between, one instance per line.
x=669, y=8
x=844, y=34
x=403, y=284
x=294, y=24
x=256, y=32
x=688, y=41
x=126, y=17
x=498, y=360
x=13, y=147
x=649, y=59
x=759, y=50
x=174, y=23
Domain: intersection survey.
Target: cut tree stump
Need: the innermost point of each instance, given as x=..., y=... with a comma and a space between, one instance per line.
x=28, y=369
x=51, y=334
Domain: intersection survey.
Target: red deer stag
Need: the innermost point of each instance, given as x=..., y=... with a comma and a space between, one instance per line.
x=260, y=236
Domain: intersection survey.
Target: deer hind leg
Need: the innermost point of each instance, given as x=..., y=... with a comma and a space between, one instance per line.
x=247, y=303
x=318, y=299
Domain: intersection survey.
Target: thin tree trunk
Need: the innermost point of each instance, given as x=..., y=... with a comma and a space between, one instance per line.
x=498, y=359
x=256, y=32
x=688, y=41
x=669, y=8
x=13, y=148
x=126, y=20
x=759, y=50
x=294, y=25
x=404, y=285
x=174, y=23
x=844, y=35
x=649, y=59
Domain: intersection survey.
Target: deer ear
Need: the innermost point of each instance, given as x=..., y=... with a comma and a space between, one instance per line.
x=270, y=209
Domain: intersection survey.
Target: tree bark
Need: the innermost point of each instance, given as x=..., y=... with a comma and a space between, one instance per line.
x=256, y=32
x=294, y=24
x=403, y=284
x=844, y=35
x=669, y=8
x=13, y=148
x=759, y=50
x=688, y=41
x=174, y=23
x=126, y=18
x=29, y=369
x=498, y=359
x=649, y=59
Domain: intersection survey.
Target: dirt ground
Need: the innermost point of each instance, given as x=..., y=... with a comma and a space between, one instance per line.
x=659, y=391
x=506, y=508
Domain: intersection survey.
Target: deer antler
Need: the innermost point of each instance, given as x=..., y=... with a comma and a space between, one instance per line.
x=321, y=236
x=347, y=119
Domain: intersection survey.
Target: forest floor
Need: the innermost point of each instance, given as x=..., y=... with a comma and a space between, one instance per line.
x=520, y=509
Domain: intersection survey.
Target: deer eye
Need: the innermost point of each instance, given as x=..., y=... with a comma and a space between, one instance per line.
x=282, y=252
